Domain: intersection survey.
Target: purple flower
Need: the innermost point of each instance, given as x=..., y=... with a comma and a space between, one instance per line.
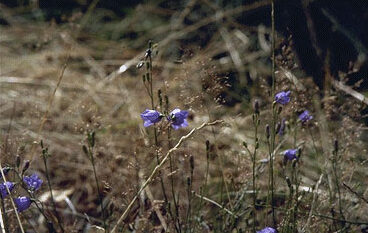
x=267, y=230
x=22, y=203
x=290, y=154
x=3, y=190
x=178, y=118
x=33, y=182
x=150, y=117
x=283, y=97
x=305, y=116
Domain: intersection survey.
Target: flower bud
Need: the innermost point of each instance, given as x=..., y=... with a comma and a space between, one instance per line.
x=279, y=110
x=17, y=161
x=26, y=166
x=336, y=145
x=278, y=126
x=191, y=161
x=85, y=149
x=268, y=131
x=189, y=182
x=159, y=94
x=256, y=107
x=288, y=181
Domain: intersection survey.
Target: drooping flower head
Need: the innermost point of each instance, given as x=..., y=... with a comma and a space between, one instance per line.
x=3, y=190
x=150, y=117
x=283, y=97
x=178, y=118
x=290, y=154
x=22, y=203
x=33, y=182
x=305, y=116
x=267, y=230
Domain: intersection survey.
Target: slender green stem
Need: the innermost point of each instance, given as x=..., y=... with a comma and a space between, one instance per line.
x=337, y=183
x=203, y=191
x=273, y=46
x=273, y=133
x=271, y=146
x=11, y=199
x=253, y=157
x=31, y=194
x=90, y=149
x=5, y=216
x=150, y=94
x=44, y=156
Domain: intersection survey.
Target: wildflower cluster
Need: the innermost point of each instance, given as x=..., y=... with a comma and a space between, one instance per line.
x=283, y=98
x=30, y=183
x=177, y=118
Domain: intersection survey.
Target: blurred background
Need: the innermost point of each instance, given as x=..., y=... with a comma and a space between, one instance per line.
x=68, y=67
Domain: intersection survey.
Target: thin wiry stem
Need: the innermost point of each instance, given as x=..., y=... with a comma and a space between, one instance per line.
x=273, y=133
x=158, y=168
x=3, y=221
x=98, y=189
x=216, y=204
x=51, y=99
x=315, y=194
x=271, y=146
x=44, y=157
x=149, y=77
x=337, y=182
x=11, y=199
x=32, y=196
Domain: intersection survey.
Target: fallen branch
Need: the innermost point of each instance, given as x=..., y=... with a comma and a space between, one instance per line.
x=216, y=204
x=348, y=90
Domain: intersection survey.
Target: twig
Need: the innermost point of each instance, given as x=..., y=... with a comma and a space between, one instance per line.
x=44, y=157
x=216, y=204
x=337, y=84
x=51, y=99
x=272, y=139
x=348, y=90
x=2, y=222
x=234, y=54
x=11, y=199
x=315, y=193
x=157, y=211
x=357, y=194
x=157, y=169
x=287, y=73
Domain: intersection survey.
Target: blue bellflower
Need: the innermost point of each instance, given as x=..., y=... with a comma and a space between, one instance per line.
x=22, y=203
x=33, y=182
x=290, y=154
x=283, y=97
x=3, y=190
x=178, y=118
x=267, y=230
x=305, y=116
x=150, y=117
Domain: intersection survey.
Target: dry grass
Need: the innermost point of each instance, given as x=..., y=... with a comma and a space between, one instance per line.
x=94, y=95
